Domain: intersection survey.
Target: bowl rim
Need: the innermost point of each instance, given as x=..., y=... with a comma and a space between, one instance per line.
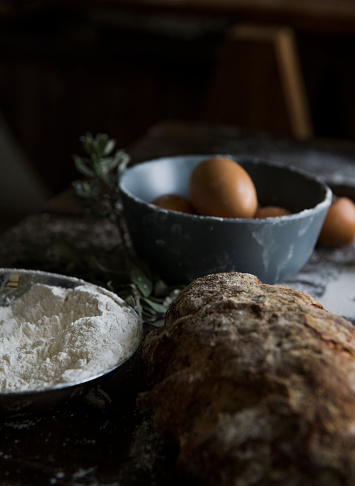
x=242, y=158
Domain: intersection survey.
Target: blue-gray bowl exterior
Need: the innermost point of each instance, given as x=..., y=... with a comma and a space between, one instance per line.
x=181, y=247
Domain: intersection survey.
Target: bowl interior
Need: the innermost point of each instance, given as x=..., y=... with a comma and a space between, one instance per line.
x=275, y=184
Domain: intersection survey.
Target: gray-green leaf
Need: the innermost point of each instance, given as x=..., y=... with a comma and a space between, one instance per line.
x=160, y=308
x=83, y=166
x=82, y=189
x=110, y=145
x=141, y=281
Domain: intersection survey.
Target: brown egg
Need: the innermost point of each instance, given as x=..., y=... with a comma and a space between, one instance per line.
x=221, y=187
x=271, y=212
x=173, y=202
x=339, y=225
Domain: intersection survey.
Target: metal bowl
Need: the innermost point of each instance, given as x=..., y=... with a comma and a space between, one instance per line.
x=15, y=282
x=182, y=247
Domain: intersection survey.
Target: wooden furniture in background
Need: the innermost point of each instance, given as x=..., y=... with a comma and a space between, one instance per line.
x=121, y=66
x=331, y=16
x=258, y=82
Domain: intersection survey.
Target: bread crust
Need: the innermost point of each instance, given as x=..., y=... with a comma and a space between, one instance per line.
x=256, y=384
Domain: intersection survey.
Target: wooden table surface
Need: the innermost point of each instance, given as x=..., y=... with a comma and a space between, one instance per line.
x=101, y=437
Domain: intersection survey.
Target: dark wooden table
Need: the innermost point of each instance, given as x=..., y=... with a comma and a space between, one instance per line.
x=102, y=438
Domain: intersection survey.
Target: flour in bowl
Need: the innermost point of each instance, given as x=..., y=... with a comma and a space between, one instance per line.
x=52, y=336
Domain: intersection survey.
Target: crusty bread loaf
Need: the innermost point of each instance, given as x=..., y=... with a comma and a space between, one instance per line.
x=256, y=383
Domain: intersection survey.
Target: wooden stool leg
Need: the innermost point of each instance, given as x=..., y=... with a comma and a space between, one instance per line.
x=258, y=82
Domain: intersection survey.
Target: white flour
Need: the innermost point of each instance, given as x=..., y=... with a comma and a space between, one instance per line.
x=52, y=336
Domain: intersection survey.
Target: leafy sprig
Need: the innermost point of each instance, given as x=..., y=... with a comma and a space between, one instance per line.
x=101, y=168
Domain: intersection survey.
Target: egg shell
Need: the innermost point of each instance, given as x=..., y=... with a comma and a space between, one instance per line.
x=220, y=187
x=339, y=225
x=271, y=212
x=173, y=202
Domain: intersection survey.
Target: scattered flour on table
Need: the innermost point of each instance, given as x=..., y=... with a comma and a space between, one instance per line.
x=339, y=294
x=53, y=336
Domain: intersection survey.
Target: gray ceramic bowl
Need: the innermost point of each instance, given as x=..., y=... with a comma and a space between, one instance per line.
x=181, y=247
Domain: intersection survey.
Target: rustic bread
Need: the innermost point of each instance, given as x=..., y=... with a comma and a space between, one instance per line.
x=256, y=384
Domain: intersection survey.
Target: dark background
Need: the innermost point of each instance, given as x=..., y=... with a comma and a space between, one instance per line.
x=68, y=70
